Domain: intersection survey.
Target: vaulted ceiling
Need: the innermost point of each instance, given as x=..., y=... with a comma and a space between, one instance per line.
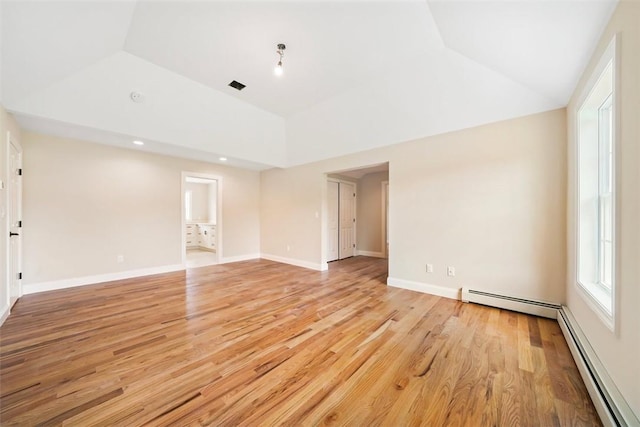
x=357, y=74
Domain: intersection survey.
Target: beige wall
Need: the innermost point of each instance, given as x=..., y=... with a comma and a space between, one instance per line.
x=7, y=124
x=369, y=211
x=489, y=201
x=619, y=352
x=86, y=203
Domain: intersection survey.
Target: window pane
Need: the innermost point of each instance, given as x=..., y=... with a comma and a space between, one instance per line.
x=605, y=143
x=607, y=268
x=605, y=138
x=606, y=219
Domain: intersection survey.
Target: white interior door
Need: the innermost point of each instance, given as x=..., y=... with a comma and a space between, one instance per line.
x=347, y=220
x=333, y=220
x=15, y=221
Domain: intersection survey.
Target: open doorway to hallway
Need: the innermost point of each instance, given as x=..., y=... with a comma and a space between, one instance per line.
x=200, y=219
x=357, y=212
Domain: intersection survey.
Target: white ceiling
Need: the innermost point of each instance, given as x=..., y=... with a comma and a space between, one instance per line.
x=358, y=74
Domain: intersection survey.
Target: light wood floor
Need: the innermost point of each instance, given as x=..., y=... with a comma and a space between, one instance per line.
x=260, y=343
x=200, y=258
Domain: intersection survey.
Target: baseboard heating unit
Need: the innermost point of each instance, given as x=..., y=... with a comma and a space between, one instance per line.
x=537, y=308
x=612, y=408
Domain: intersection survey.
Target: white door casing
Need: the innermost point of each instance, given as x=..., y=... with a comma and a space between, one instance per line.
x=14, y=253
x=347, y=220
x=385, y=218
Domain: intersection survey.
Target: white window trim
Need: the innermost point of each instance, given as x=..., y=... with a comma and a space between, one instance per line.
x=610, y=54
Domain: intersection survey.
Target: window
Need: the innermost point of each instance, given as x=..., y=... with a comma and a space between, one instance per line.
x=188, y=211
x=596, y=197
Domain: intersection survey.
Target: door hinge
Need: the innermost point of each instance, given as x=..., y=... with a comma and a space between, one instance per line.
x=354, y=220
x=20, y=171
x=19, y=276
x=19, y=224
x=354, y=194
x=354, y=245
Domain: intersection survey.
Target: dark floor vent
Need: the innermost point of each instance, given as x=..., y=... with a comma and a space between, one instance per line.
x=237, y=85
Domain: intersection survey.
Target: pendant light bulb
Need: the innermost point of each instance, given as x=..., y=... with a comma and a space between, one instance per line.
x=278, y=69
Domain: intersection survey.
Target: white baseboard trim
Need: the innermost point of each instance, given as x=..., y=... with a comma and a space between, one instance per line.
x=296, y=262
x=611, y=406
x=370, y=253
x=33, y=288
x=5, y=313
x=239, y=258
x=425, y=288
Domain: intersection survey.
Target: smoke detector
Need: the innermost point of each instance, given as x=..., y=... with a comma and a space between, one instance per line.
x=136, y=96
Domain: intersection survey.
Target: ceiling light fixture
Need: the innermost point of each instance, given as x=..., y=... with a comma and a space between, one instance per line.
x=138, y=142
x=278, y=70
x=223, y=159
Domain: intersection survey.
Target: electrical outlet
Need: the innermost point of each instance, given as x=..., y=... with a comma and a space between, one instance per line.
x=120, y=259
x=429, y=268
x=451, y=271
x=288, y=248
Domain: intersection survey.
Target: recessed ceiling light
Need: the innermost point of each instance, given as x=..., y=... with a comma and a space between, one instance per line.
x=223, y=159
x=138, y=142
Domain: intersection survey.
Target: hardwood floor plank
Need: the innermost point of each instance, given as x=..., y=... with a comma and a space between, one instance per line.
x=524, y=344
x=545, y=399
x=493, y=410
x=534, y=332
x=262, y=343
x=511, y=398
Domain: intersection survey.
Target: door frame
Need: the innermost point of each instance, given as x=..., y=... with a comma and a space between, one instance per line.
x=183, y=238
x=384, y=187
x=329, y=235
x=12, y=141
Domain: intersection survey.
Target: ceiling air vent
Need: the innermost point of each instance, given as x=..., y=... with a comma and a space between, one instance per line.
x=237, y=85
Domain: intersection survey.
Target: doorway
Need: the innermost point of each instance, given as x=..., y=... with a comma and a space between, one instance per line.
x=341, y=207
x=368, y=219
x=14, y=255
x=201, y=220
